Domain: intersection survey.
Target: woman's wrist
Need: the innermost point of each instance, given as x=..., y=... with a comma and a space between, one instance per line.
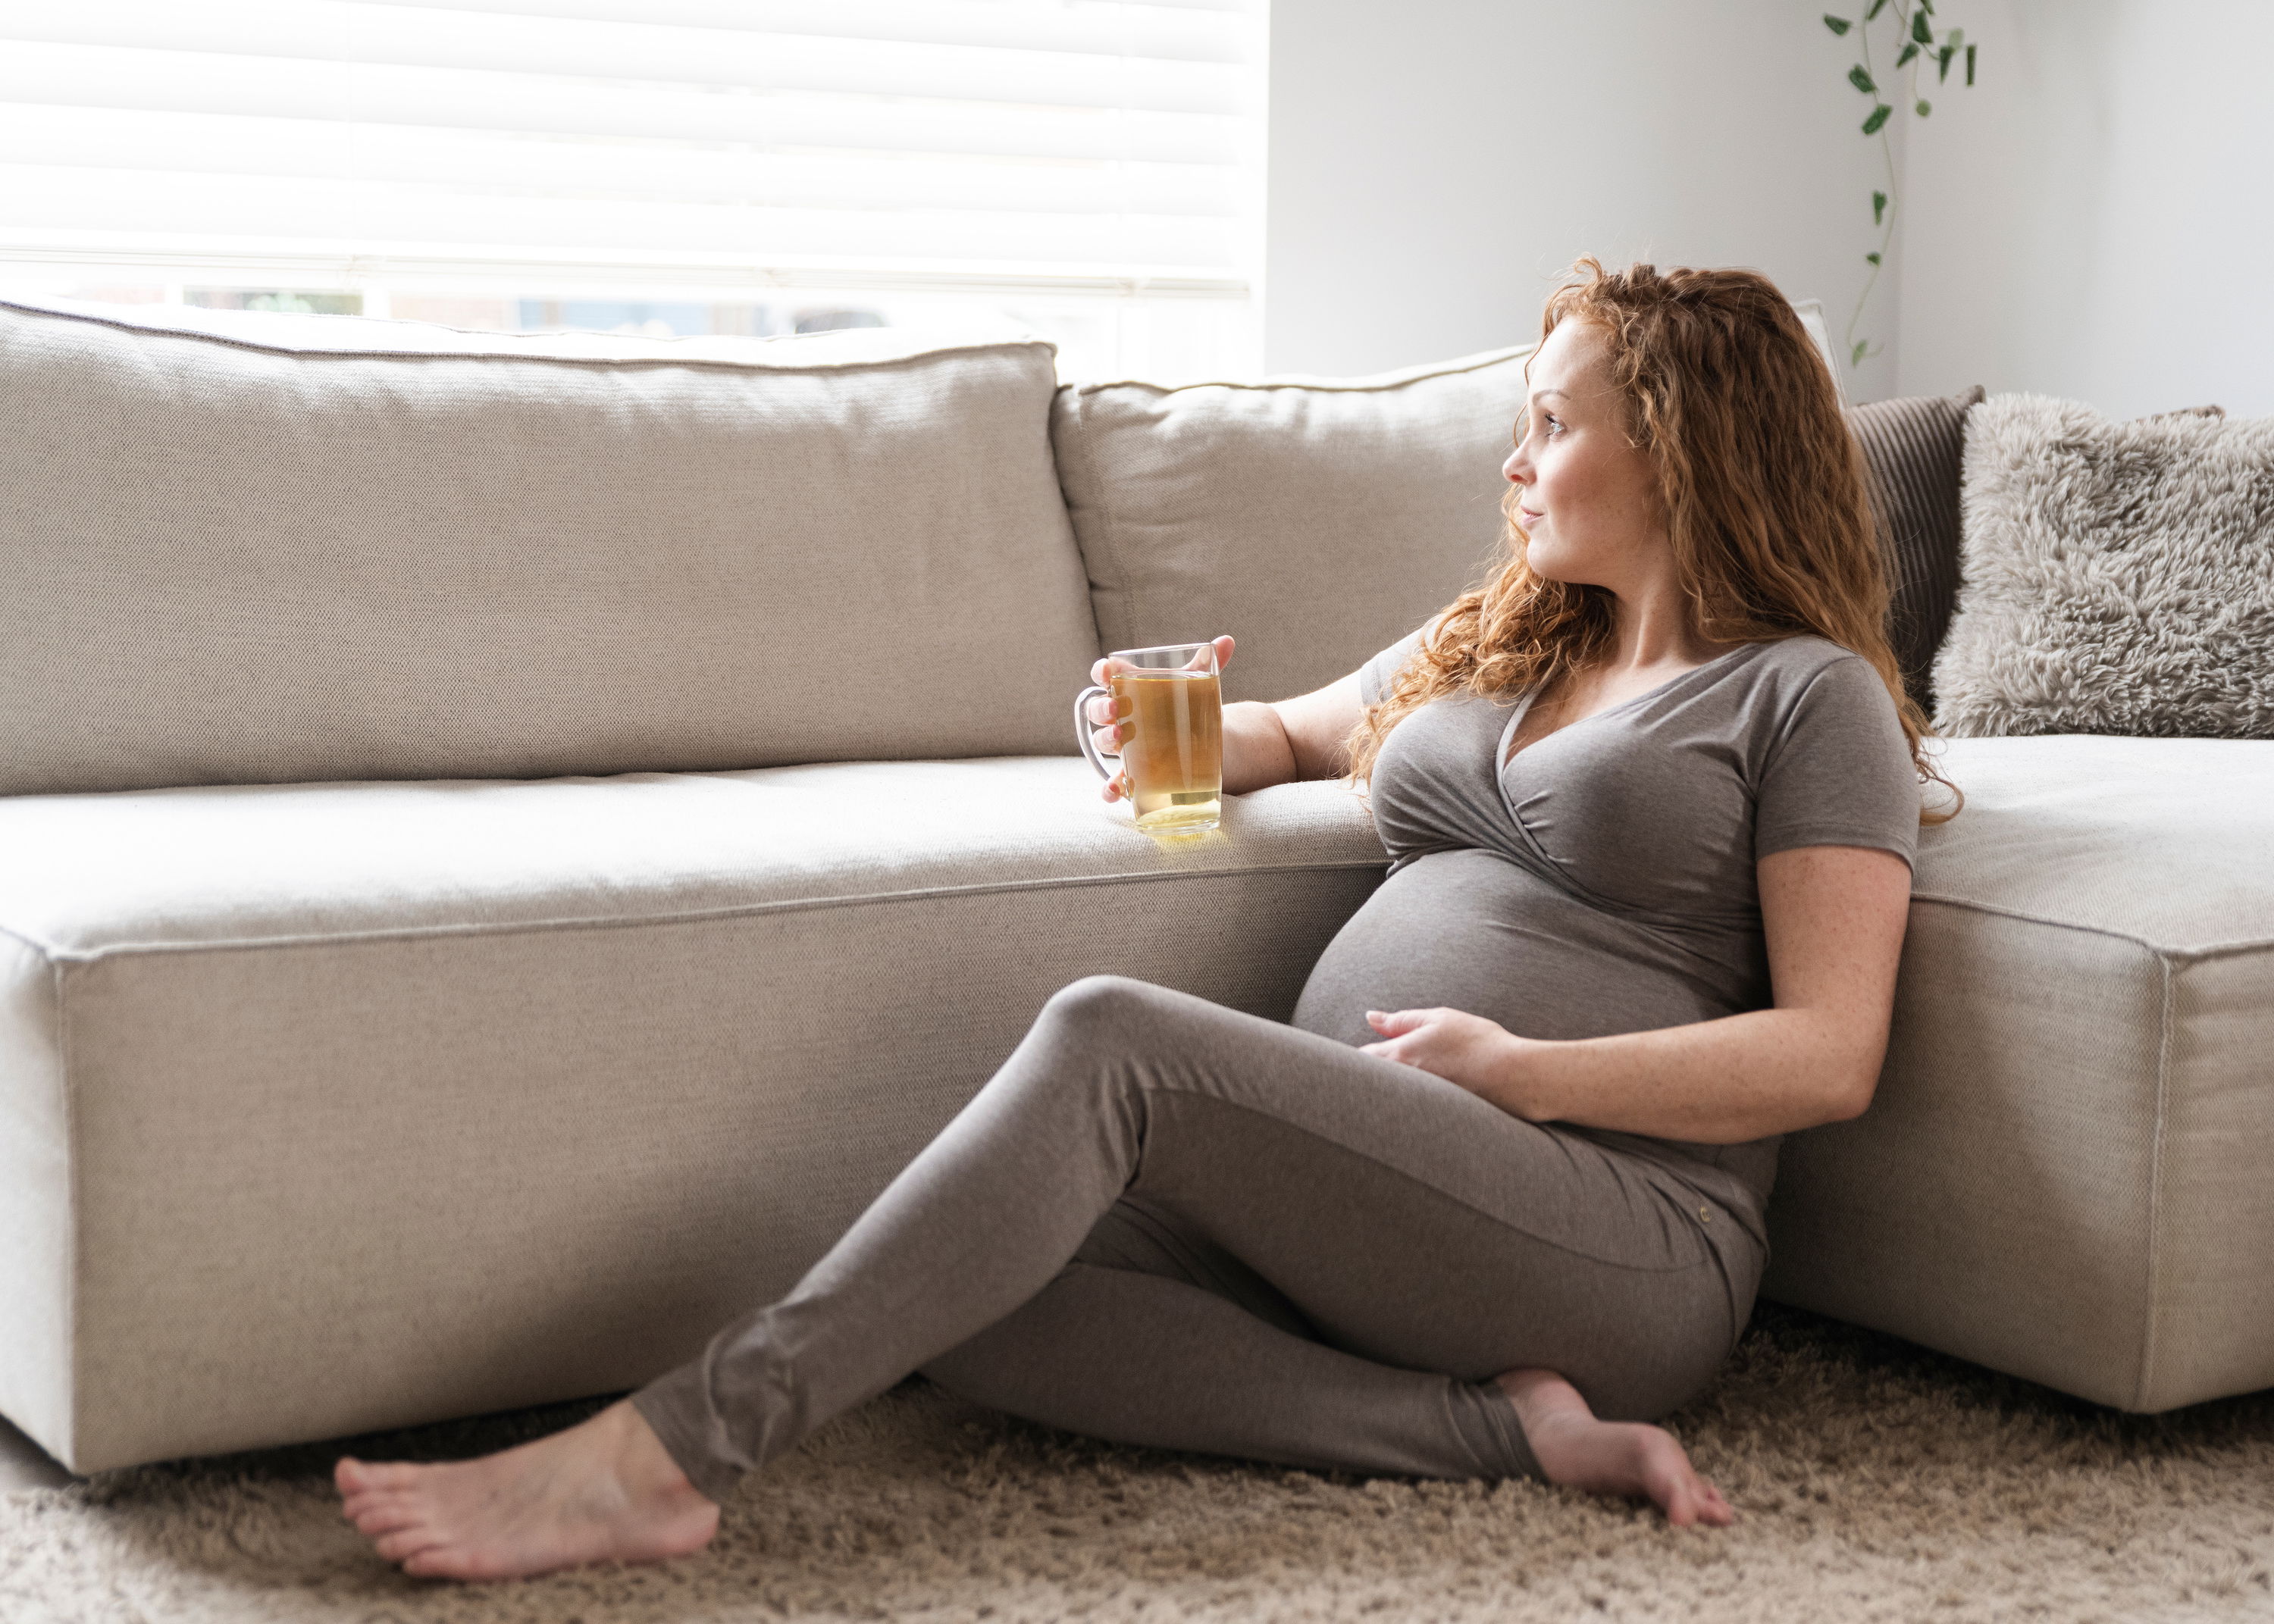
x=1522, y=1076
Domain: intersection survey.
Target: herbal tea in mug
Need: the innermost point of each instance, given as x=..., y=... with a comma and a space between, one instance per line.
x=1169, y=708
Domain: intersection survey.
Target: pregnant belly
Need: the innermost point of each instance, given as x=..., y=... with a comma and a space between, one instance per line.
x=1469, y=930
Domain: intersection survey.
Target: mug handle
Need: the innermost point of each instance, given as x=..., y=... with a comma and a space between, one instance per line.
x=1081, y=729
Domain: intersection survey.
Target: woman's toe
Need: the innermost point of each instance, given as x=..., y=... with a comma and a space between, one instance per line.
x=435, y=1563
x=387, y=1519
x=455, y=1562
x=405, y=1544
x=363, y=1477
x=363, y=1500
x=1706, y=1505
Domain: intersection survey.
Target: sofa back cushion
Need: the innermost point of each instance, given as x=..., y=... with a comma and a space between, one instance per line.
x=1912, y=449
x=1314, y=520
x=256, y=549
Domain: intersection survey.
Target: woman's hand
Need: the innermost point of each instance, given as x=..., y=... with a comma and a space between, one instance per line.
x=1105, y=734
x=1481, y=1055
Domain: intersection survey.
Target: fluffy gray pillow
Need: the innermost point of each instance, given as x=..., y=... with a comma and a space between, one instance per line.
x=2116, y=577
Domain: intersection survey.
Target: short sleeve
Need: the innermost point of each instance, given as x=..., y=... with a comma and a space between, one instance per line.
x=1376, y=676
x=1839, y=772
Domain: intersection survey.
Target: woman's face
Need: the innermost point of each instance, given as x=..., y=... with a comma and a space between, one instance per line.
x=1589, y=506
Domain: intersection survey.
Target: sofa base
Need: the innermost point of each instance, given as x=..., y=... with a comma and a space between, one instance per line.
x=2063, y=1175
x=272, y=1188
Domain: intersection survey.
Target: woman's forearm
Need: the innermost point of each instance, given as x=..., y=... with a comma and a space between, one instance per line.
x=1715, y=1082
x=1256, y=749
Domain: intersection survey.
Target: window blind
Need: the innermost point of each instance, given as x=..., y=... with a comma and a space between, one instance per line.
x=1032, y=143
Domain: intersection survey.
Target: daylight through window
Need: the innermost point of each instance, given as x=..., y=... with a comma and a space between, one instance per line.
x=1086, y=168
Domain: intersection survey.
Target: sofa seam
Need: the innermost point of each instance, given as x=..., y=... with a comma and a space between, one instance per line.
x=2154, y=1269
x=47, y=950
x=752, y=910
x=2185, y=955
x=1101, y=503
x=1060, y=403
x=1324, y=385
x=231, y=342
x=73, y=1350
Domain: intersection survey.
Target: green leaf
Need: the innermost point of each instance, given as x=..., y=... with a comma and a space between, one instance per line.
x=1942, y=64
x=1873, y=258
x=1920, y=32
x=1838, y=24
x=1879, y=115
x=1957, y=38
x=1862, y=80
x=1878, y=207
x=1857, y=359
x=1924, y=107
x=1926, y=5
x=1969, y=64
x=1877, y=6
x=1907, y=52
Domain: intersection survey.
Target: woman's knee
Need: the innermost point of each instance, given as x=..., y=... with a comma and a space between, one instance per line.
x=1101, y=1038
x=1111, y=1004
x=1115, y=1036
x=1082, y=1038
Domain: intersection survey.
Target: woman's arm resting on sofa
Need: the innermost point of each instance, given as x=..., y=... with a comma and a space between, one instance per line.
x=1290, y=739
x=1835, y=918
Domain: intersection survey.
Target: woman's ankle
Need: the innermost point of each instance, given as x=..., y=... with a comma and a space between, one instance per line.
x=643, y=1465
x=1543, y=1400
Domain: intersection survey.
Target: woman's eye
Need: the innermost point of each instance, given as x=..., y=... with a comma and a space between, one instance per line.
x=1554, y=427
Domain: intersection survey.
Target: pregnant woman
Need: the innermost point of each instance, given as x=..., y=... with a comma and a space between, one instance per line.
x=1494, y=1200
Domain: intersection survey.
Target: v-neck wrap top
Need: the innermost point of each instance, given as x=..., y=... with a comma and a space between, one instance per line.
x=1603, y=880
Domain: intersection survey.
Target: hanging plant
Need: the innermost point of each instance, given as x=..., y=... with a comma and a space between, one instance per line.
x=1920, y=41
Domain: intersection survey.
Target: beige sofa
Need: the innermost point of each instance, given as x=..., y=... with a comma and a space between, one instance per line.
x=507, y=844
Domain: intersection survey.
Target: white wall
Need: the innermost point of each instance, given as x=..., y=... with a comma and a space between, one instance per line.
x=1434, y=163
x=2096, y=219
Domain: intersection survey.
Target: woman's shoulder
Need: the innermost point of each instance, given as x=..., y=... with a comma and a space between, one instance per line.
x=1378, y=675
x=1805, y=666
x=1831, y=762
x=1808, y=684
x=1805, y=655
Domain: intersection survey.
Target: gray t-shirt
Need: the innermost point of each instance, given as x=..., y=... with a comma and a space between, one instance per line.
x=1603, y=881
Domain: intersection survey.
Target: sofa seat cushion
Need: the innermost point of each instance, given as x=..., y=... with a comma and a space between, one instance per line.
x=329, y=1107
x=245, y=866
x=2063, y=1175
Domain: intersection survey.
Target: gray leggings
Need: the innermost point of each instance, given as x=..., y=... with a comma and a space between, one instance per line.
x=1166, y=1222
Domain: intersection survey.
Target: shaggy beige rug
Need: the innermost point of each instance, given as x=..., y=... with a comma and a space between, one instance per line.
x=1873, y=1481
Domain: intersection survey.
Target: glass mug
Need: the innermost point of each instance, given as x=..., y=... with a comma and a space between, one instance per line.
x=1170, y=709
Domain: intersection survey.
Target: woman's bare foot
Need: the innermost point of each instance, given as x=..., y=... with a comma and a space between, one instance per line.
x=1610, y=1457
x=604, y=1491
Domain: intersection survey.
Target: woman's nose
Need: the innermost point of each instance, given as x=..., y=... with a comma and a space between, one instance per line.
x=1514, y=469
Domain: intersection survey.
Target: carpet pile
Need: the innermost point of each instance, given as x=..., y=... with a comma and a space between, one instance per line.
x=1873, y=1481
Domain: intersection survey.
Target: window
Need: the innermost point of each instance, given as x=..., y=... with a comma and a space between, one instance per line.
x=1088, y=168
